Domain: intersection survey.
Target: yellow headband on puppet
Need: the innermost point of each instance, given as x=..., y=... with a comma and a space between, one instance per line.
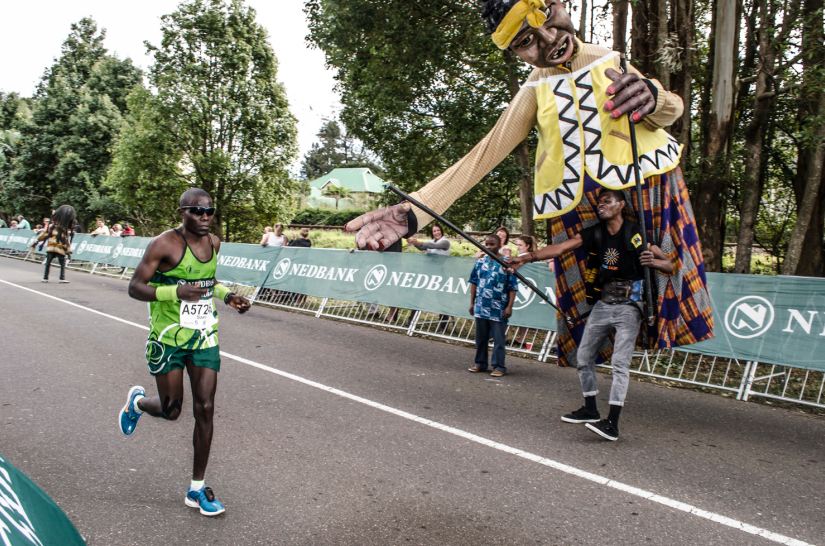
x=531, y=11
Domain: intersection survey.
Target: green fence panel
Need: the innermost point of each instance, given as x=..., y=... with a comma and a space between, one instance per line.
x=245, y=264
x=412, y=281
x=17, y=239
x=779, y=320
x=28, y=516
x=91, y=249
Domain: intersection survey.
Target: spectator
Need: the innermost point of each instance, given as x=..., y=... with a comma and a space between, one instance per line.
x=22, y=223
x=38, y=228
x=117, y=231
x=2, y=223
x=58, y=240
x=524, y=244
x=439, y=245
x=303, y=239
x=492, y=293
x=503, y=235
x=128, y=230
x=13, y=225
x=274, y=237
x=101, y=229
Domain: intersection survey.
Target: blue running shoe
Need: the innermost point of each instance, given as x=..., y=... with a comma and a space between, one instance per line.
x=205, y=500
x=128, y=416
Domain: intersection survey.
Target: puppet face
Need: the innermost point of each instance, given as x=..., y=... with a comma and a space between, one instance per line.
x=550, y=45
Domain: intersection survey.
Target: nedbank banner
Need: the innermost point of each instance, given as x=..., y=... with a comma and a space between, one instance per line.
x=245, y=264
x=117, y=251
x=17, y=239
x=768, y=319
x=28, y=516
x=778, y=320
x=412, y=281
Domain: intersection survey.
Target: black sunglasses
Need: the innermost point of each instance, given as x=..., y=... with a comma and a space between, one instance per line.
x=200, y=211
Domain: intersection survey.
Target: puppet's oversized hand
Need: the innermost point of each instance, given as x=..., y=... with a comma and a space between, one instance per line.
x=629, y=93
x=380, y=228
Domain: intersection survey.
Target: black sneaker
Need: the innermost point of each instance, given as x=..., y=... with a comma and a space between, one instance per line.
x=581, y=415
x=605, y=429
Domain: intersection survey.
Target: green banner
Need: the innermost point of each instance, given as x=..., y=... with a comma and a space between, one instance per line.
x=28, y=516
x=245, y=264
x=779, y=320
x=412, y=281
x=17, y=239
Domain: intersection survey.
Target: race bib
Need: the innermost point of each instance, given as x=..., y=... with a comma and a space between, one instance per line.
x=197, y=315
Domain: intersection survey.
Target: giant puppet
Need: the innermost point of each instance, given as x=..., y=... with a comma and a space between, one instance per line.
x=579, y=102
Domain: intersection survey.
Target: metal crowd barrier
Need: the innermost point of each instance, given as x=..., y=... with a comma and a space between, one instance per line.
x=743, y=380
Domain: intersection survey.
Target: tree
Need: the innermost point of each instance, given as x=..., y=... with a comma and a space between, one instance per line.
x=807, y=237
x=335, y=149
x=336, y=192
x=717, y=126
x=65, y=150
x=422, y=98
x=227, y=118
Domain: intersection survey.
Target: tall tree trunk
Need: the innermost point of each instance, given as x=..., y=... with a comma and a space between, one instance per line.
x=710, y=207
x=661, y=35
x=808, y=184
x=522, y=156
x=810, y=198
x=682, y=79
x=764, y=99
x=620, y=25
x=641, y=38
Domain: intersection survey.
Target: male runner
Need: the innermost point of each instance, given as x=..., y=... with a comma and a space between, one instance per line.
x=177, y=277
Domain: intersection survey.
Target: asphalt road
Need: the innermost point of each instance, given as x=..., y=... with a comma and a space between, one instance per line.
x=393, y=443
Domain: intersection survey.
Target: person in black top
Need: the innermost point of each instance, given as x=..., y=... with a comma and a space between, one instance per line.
x=614, y=274
x=303, y=240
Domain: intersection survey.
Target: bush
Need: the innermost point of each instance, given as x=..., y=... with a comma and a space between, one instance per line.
x=341, y=217
x=311, y=217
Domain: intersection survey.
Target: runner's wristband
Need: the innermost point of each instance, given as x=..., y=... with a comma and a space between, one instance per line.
x=221, y=292
x=167, y=293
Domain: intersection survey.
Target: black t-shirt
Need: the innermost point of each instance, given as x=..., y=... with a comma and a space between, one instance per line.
x=618, y=255
x=301, y=242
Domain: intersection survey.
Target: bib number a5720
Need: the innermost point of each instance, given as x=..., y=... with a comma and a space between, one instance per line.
x=197, y=315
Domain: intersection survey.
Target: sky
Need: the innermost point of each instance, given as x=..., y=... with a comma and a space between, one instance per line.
x=32, y=31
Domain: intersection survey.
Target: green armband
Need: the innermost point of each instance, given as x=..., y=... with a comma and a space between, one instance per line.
x=167, y=293
x=221, y=291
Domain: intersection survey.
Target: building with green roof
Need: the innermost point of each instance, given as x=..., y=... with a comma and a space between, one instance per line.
x=361, y=183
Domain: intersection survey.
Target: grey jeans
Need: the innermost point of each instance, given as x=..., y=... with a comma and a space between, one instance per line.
x=604, y=318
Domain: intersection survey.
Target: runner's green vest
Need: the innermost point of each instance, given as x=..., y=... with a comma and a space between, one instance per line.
x=164, y=316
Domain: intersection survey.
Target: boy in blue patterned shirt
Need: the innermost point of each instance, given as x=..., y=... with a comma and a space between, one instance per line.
x=492, y=293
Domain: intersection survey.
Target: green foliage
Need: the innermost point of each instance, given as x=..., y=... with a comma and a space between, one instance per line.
x=145, y=177
x=222, y=118
x=321, y=217
x=422, y=98
x=336, y=192
x=64, y=150
x=335, y=149
x=311, y=217
x=341, y=217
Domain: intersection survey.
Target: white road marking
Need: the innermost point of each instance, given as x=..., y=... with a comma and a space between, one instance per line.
x=567, y=469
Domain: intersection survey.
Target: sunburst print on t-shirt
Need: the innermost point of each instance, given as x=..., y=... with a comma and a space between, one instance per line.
x=611, y=256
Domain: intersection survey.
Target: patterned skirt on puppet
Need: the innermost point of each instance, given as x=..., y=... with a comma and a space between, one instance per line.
x=684, y=306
